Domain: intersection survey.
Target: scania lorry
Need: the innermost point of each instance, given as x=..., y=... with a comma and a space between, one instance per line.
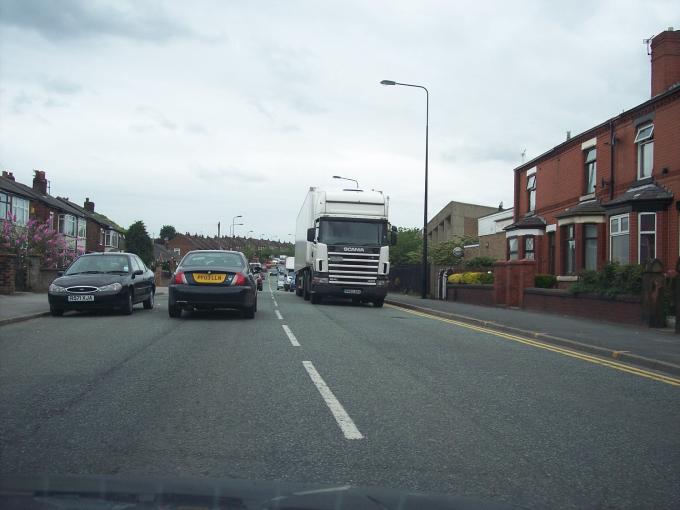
x=342, y=240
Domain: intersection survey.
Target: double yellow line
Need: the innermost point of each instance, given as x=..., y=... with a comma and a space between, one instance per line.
x=673, y=381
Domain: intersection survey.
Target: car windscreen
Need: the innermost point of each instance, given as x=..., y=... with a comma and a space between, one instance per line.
x=362, y=233
x=213, y=260
x=100, y=264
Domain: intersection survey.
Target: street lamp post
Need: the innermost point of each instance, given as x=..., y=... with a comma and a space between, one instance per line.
x=233, y=222
x=427, y=122
x=347, y=179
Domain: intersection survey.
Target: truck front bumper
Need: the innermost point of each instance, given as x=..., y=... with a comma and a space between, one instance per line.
x=350, y=291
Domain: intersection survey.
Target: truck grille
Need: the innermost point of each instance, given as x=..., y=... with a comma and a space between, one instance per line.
x=352, y=268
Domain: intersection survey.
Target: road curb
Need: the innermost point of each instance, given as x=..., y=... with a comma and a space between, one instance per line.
x=21, y=318
x=627, y=357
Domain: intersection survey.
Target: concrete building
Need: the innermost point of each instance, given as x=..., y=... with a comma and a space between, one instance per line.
x=457, y=219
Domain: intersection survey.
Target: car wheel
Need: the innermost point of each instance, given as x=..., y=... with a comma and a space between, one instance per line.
x=127, y=309
x=249, y=313
x=174, y=311
x=316, y=299
x=148, y=303
x=56, y=312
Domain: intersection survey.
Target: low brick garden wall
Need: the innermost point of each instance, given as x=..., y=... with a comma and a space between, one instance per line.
x=623, y=309
x=470, y=293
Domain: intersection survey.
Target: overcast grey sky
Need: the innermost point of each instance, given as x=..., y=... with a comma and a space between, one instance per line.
x=189, y=113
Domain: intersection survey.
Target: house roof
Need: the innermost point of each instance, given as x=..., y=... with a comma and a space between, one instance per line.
x=96, y=217
x=589, y=208
x=589, y=133
x=528, y=222
x=651, y=192
x=17, y=188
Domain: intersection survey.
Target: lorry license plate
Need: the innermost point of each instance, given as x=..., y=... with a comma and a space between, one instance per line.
x=352, y=291
x=85, y=297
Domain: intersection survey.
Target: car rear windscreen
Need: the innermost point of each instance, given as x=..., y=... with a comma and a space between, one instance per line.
x=213, y=260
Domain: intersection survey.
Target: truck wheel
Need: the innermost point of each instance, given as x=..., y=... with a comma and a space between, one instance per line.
x=316, y=299
x=298, y=287
x=305, y=288
x=378, y=303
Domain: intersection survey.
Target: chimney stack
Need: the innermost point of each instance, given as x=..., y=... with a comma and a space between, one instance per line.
x=665, y=61
x=40, y=182
x=8, y=175
x=88, y=206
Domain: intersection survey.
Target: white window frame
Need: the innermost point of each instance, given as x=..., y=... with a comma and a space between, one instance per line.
x=640, y=232
x=70, y=220
x=587, y=165
x=619, y=232
x=644, y=138
x=81, y=224
x=510, y=252
x=5, y=199
x=533, y=247
x=531, y=188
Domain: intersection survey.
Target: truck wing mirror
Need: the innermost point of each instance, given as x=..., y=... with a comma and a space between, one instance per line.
x=393, y=236
x=310, y=234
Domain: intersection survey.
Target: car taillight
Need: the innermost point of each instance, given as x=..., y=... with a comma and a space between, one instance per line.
x=180, y=278
x=239, y=279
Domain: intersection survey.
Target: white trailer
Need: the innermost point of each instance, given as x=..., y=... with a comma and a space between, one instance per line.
x=342, y=240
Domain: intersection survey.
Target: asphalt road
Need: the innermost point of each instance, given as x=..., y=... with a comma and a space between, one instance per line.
x=341, y=394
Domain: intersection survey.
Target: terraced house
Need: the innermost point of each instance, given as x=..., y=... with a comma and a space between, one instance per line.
x=610, y=193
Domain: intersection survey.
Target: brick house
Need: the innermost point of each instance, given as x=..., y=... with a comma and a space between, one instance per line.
x=102, y=234
x=611, y=192
x=181, y=244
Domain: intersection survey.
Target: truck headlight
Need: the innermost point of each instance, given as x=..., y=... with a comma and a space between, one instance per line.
x=113, y=287
x=382, y=283
x=56, y=289
x=316, y=279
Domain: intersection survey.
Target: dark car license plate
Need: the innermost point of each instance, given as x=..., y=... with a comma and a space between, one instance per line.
x=352, y=291
x=84, y=297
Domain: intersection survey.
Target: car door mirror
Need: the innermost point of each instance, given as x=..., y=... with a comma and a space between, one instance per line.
x=60, y=273
x=137, y=272
x=311, y=232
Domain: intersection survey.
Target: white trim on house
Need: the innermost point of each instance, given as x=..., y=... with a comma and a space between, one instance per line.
x=551, y=228
x=592, y=218
x=524, y=232
x=531, y=171
x=589, y=143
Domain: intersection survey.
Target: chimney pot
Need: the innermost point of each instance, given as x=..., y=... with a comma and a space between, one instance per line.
x=40, y=182
x=665, y=60
x=88, y=206
x=8, y=175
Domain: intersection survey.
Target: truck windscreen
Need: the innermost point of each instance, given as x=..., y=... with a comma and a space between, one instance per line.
x=361, y=233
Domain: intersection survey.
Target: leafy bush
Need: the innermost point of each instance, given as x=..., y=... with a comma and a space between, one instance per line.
x=480, y=262
x=545, y=281
x=612, y=280
x=471, y=278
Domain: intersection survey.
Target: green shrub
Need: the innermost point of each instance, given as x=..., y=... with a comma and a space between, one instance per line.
x=545, y=281
x=471, y=278
x=612, y=280
x=480, y=263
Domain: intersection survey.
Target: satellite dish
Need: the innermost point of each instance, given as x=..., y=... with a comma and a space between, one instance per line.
x=458, y=252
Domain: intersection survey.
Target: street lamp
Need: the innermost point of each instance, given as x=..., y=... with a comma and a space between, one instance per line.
x=232, y=223
x=427, y=122
x=347, y=179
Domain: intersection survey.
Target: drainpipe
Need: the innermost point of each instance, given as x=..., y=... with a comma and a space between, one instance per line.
x=612, y=143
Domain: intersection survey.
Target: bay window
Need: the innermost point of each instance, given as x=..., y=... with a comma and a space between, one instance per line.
x=67, y=225
x=619, y=239
x=569, y=249
x=590, y=246
x=513, y=248
x=646, y=237
x=529, y=250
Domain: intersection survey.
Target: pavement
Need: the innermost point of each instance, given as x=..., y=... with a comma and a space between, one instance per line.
x=22, y=306
x=336, y=393
x=657, y=349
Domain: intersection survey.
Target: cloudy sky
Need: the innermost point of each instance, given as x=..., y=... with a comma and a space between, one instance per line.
x=189, y=113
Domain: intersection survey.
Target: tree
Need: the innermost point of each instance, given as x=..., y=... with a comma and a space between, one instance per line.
x=441, y=254
x=409, y=247
x=137, y=241
x=167, y=232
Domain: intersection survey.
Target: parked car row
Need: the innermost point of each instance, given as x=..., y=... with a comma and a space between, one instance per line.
x=203, y=280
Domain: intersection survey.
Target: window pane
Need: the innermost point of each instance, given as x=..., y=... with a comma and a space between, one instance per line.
x=619, y=249
x=590, y=155
x=624, y=223
x=647, y=159
x=570, y=256
x=531, y=182
x=591, y=254
x=647, y=247
x=614, y=225
x=532, y=200
x=647, y=222
x=644, y=133
x=590, y=231
x=590, y=177
x=529, y=243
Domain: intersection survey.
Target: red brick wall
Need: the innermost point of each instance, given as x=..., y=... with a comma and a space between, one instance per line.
x=183, y=243
x=561, y=302
x=7, y=274
x=510, y=280
x=473, y=294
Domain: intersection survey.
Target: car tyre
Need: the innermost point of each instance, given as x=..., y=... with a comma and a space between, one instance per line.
x=148, y=303
x=56, y=312
x=174, y=311
x=127, y=309
x=249, y=313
